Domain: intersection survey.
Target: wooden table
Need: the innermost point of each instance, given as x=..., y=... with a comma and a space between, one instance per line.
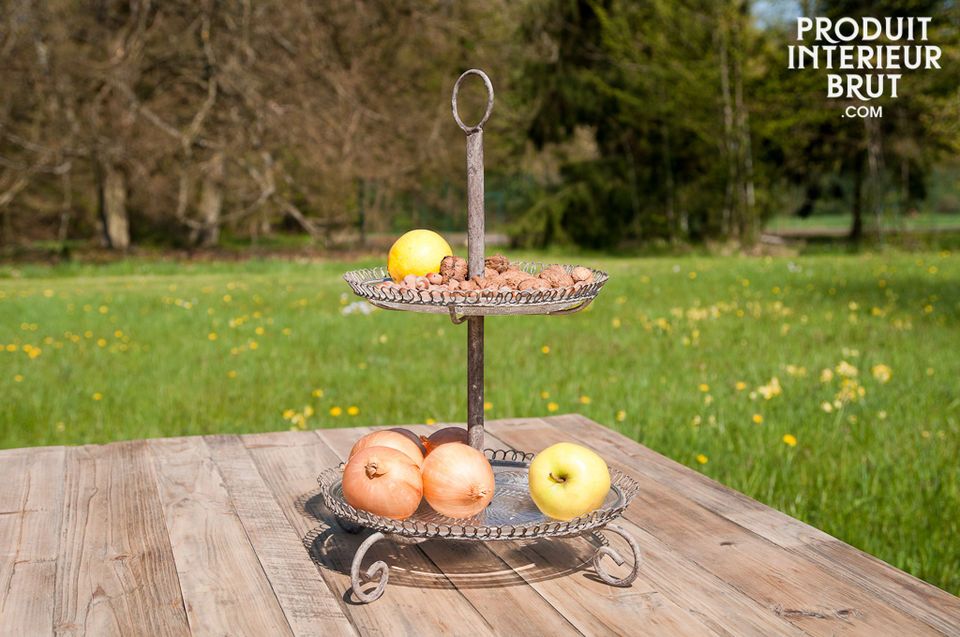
x=226, y=535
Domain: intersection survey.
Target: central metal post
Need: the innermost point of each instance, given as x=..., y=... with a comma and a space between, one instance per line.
x=475, y=256
x=475, y=253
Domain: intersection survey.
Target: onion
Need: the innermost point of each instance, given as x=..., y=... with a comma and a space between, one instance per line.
x=443, y=436
x=384, y=482
x=457, y=480
x=390, y=439
x=412, y=436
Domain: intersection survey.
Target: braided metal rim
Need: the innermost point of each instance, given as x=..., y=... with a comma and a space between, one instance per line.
x=621, y=484
x=364, y=283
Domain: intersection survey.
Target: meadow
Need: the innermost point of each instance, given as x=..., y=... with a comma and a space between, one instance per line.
x=824, y=386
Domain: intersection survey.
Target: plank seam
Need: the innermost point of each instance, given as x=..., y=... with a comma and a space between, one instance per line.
x=246, y=533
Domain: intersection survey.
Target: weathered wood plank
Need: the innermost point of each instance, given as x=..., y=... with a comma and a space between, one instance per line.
x=464, y=563
x=224, y=587
x=310, y=607
x=667, y=579
x=115, y=572
x=802, y=592
x=418, y=600
x=929, y=604
x=31, y=503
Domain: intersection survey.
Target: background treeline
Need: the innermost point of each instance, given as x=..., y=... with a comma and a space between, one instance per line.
x=200, y=122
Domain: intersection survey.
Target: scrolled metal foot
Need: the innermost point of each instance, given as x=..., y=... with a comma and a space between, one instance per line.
x=378, y=571
x=617, y=558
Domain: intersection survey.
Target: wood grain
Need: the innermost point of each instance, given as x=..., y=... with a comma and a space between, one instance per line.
x=115, y=570
x=418, y=600
x=224, y=586
x=31, y=503
x=214, y=536
x=798, y=590
x=310, y=607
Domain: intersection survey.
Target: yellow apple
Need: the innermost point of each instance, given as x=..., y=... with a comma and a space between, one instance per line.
x=567, y=480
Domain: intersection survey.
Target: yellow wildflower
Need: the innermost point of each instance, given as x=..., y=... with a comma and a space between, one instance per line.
x=615, y=323
x=740, y=386
x=790, y=440
x=253, y=345
x=212, y=336
x=288, y=414
x=621, y=416
x=103, y=309
x=335, y=411
x=317, y=393
x=487, y=406
x=552, y=406
x=232, y=373
x=881, y=372
x=757, y=419
x=703, y=387
x=846, y=369
x=545, y=349
x=430, y=421
x=585, y=400
x=353, y=410
x=97, y=396
x=826, y=406
x=771, y=389
x=702, y=459
x=308, y=411
x=826, y=375
x=18, y=378
x=259, y=330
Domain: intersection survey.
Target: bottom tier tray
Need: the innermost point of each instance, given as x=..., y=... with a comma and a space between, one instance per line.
x=512, y=515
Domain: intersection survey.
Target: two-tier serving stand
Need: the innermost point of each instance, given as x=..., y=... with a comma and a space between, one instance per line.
x=512, y=514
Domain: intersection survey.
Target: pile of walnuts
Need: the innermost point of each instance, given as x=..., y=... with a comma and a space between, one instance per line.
x=498, y=275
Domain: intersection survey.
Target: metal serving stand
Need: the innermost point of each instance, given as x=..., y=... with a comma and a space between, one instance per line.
x=511, y=515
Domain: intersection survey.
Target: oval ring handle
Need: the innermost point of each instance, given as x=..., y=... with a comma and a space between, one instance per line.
x=453, y=102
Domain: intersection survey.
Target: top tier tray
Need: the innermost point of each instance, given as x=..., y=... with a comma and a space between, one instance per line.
x=372, y=284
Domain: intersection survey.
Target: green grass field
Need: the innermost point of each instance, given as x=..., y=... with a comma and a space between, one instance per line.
x=824, y=386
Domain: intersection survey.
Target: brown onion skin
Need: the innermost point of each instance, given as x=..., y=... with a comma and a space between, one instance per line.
x=442, y=437
x=383, y=481
x=458, y=480
x=412, y=436
x=391, y=439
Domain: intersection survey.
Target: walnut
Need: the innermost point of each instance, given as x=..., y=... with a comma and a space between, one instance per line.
x=497, y=262
x=533, y=284
x=583, y=274
x=490, y=273
x=557, y=277
x=469, y=285
x=453, y=267
x=485, y=283
x=513, y=277
x=453, y=284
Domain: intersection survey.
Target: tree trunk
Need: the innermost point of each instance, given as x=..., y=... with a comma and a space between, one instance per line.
x=729, y=140
x=875, y=185
x=746, y=222
x=856, y=229
x=211, y=200
x=113, y=207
